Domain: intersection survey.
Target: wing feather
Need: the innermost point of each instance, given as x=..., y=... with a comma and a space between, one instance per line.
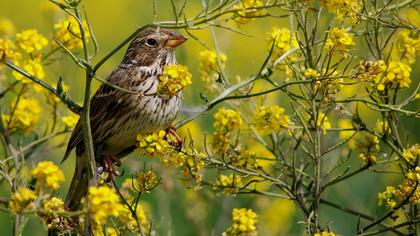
x=102, y=103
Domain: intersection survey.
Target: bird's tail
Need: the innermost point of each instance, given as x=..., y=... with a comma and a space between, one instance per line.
x=79, y=184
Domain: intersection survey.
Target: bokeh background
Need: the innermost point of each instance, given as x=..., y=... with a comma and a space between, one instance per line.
x=174, y=209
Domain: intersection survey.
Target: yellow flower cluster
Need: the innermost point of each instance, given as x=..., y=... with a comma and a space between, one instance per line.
x=368, y=145
x=246, y=10
x=269, y=119
x=156, y=144
x=24, y=114
x=338, y=40
x=33, y=67
x=226, y=120
x=145, y=181
x=283, y=39
x=102, y=202
x=228, y=184
x=322, y=122
x=47, y=174
x=410, y=154
x=54, y=221
x=209, y=67
x=70, y=121
x=243, y=224
x=25, y=52
x=408, y=46
x=343, y=8
x=244, y=158
x=191, y=161
x=383, y=76
x=53, y=205
x=22, y=199
x=173, y=80
x=397, y=73
x=311, y=73
x=153, y=144
x=67, y=32
x=129, y=222
x=368, y=70
x=31, y=41
x=324, y=233
x=393, y=195
x=7, y=50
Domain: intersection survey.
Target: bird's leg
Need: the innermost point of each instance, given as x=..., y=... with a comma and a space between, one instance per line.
x=173, y=137
x=109, y=161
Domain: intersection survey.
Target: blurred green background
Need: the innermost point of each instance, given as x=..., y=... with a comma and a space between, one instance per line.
x=173, y=209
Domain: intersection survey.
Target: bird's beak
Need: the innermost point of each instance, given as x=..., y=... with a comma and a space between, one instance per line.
x=175, y=40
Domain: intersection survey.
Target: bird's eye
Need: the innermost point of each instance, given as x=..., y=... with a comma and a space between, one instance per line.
x=151, y=42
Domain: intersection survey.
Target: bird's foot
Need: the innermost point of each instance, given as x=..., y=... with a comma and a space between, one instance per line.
x=173, y=138
x=109, y=163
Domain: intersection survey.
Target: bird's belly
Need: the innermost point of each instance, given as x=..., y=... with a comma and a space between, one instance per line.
x=149, y=115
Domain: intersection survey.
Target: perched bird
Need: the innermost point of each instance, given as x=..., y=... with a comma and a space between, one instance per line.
x=116, y=116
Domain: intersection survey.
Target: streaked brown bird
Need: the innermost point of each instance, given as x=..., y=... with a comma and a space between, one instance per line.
x=117, y=117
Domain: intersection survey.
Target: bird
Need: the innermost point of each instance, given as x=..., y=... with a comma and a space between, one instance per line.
x=117, y=116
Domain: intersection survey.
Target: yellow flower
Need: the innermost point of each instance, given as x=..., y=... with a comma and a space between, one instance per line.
x=396, y=72
x=102, y=202
x=244, y=158
x=311, y=73
x=53, y=205
x=268, y=119
x=382, y=76
x=411, y=153
x=369, y=70
x=7, y=50
x=323, y=122
x=31, y=41
x=47, y=174
x=110, y=231
x=67, y=32
x=22, y=199
x=220, y=142
x=25, y=115
x=325, y=233
x=408, y=46
x=228, y=184
x=128, y=221
x=191, y=161
x=173, y=80
x=343, y=8
x=247, y=11
x=244, y=221
x=338, y=40
x=6, y=27
x=394, y=195
x=153, y=144
x=33, y=67
x=226, y=120
x=284, y=41
x=146, y=181
x=208, y=65
x=70, y=121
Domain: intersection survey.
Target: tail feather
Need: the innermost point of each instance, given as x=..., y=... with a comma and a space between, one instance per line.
x=79, y=184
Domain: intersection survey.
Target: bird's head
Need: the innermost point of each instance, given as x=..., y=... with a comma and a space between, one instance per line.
x=153, y=45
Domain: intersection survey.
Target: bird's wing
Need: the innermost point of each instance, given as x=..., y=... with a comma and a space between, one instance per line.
x=102, y=103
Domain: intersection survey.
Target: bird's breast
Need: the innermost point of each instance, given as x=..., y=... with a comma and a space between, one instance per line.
x=145, y=113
